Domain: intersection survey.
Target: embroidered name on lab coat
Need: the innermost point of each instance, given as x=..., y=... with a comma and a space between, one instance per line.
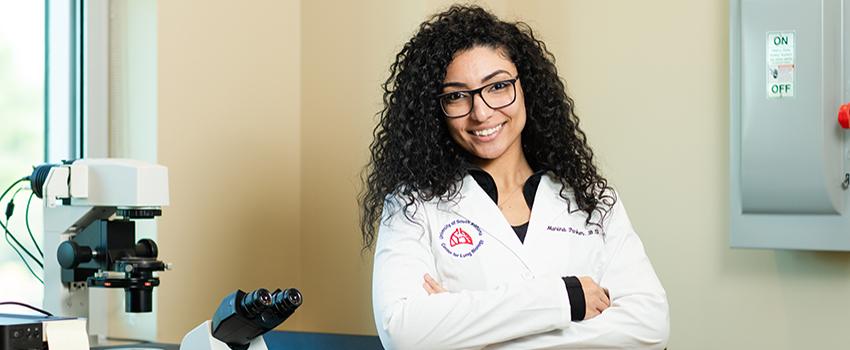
x=575, y=231
x=461, y=238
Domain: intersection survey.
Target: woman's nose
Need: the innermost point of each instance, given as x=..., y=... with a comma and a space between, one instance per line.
x=480, y=110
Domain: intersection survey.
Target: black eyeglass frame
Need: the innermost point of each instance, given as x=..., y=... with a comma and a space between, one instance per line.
x=472, y=94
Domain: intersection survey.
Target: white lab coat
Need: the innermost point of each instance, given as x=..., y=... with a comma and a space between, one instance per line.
x=503, y=293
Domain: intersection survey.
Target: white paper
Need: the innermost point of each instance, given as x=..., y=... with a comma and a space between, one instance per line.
x=66, y=334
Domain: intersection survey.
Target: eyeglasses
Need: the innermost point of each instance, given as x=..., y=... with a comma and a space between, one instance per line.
x=496, y=95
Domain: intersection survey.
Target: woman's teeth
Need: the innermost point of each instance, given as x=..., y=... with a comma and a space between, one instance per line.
x=487, y=132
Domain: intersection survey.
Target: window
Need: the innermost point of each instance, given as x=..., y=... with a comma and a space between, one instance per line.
x=39, y=122
x=55, y=105
x=22, y=139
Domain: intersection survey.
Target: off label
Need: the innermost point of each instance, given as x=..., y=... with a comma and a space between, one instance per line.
x=780, y=64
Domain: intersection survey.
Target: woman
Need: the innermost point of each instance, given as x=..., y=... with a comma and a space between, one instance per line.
x=495, y=228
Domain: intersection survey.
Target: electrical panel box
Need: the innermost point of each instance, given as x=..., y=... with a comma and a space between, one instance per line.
x=789, y=155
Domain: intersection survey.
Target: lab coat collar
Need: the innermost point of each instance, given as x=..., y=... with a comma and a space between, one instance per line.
x=486, y=182
x=549, y=206
x=476, y=206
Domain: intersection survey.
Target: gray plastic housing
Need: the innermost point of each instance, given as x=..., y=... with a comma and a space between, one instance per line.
x=788, y=155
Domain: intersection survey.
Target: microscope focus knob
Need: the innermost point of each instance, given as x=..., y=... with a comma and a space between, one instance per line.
x=71, y=254
x=146, y=248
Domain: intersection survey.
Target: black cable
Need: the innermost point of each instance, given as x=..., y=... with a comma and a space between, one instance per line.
x=22, y=258
x=11, y=206
x=9, y=210
x=9, y=234
x=25, y=178
x=27, y=221
x=16, y=194
x=27, y=306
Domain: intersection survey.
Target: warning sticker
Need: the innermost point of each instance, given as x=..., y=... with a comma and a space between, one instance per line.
x=780, y=64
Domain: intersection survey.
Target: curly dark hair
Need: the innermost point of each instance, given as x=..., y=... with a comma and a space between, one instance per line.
x=413, y=155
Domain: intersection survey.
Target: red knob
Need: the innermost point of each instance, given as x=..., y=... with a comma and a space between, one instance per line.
x=844, y=115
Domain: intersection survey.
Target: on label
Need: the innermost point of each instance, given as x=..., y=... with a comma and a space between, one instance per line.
x=780, y=63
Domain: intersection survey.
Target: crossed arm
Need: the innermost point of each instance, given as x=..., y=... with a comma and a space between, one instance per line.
x=413, y=312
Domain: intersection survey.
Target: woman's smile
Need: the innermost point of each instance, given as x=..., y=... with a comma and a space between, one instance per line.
x=488, y=134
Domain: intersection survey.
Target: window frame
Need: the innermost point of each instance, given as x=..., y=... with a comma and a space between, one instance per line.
x=61, y=114
x=76, y=80
x=77, y=109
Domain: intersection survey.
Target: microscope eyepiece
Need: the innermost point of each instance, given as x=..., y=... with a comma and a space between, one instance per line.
x=255, y=302
x=242, y=317
x=286, y=301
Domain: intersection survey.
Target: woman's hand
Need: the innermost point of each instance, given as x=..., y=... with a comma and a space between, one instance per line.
x=431, y=286
x=595, y=297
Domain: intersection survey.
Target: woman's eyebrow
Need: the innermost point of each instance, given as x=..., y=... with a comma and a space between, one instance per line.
x=453, y=83
x=491, y=75
x=486, y=78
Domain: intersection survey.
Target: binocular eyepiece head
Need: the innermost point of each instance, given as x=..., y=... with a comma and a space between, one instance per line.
x=281, y=302
x=254, y=303
x=242, y=316
x=286, y=301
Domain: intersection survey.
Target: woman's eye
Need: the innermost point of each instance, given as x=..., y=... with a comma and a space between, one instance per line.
x=455, y=96
x=499, y=86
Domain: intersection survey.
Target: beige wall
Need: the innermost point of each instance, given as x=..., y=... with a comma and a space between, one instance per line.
x=650, y=80
x=229, y=132
x=345, y=51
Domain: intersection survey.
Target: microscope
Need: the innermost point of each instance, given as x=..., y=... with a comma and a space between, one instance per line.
x=90, y=211
x=242, y=318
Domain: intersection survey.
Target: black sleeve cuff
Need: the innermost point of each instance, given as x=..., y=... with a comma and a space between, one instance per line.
x=576, y=295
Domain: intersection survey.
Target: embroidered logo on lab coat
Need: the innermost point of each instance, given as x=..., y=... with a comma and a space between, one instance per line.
x=461, y=238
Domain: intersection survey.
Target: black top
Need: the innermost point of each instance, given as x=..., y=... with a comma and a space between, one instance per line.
x=529, y=190
x=575, y=292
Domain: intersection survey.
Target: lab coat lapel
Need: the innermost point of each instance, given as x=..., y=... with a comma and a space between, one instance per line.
x=548, y=207
x=476, y=206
